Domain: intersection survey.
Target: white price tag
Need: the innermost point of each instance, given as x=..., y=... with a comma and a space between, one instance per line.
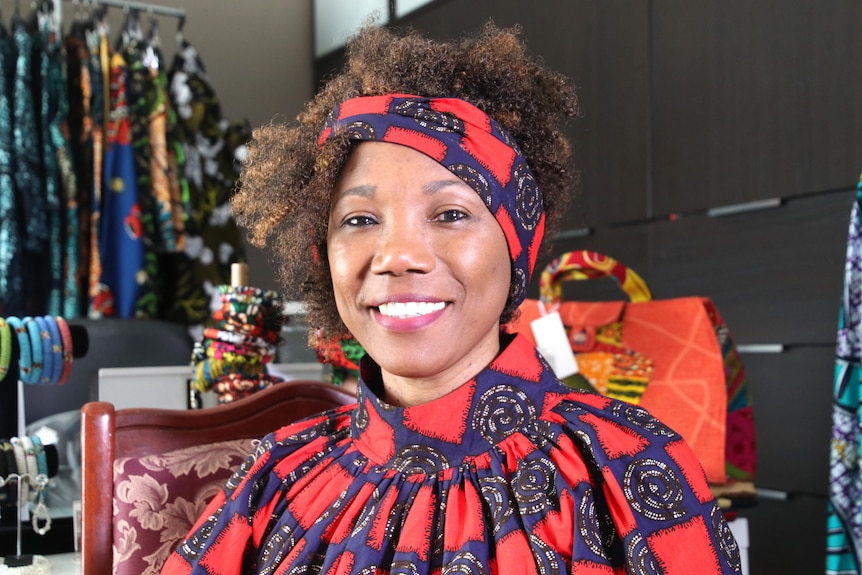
x=553, y=344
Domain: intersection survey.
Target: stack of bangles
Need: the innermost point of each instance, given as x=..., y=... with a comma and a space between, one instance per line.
x=44, y=349
x=232, y=358
x=26, y=465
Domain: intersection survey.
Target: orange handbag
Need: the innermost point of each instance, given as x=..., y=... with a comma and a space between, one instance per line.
x=674, y=357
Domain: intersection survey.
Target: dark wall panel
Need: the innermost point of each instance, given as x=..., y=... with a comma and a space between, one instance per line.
x=787, y=537
x=775, y=275
x=603, y=47
x=754, y=100
x=792, y=395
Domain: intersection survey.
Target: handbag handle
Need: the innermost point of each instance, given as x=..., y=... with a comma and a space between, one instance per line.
x=584, y=265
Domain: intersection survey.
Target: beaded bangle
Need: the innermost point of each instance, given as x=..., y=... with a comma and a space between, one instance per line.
x=25, y=358
x=66, y=335
x=56, y=348
x=41, y=460
x=20, y=465
x=5, y=348
x=18, y=452
x=232, y=357
x=47, y=352
x=4, y=471
x=29, y=458
x=35, y=349
x=235, y=337
x=9, y=466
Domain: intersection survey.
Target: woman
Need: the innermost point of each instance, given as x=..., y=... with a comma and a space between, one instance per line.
x=411, y=200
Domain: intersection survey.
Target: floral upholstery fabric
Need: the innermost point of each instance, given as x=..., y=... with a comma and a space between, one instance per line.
x=157, y=499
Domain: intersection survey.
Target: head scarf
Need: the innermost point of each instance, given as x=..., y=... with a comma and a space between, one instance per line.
x=470, y=144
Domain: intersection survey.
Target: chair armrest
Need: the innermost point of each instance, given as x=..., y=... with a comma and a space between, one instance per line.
x=97, y=455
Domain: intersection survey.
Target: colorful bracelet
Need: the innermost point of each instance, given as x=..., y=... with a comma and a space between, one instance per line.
x=41, y=460
x=25, y=358
x=7, y=467
x=235, y=337
x=66, y=336
x=56, y=348
x=30, y=458
x=47, y=352
x=21, y=465
x=35, y=349
x=5, y=348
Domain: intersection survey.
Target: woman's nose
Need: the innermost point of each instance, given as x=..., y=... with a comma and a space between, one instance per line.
x=403, y=248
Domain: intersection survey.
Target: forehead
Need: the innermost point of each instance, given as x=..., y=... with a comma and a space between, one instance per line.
x=375, y=164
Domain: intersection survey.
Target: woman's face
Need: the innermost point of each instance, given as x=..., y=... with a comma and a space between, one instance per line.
x=420, y=267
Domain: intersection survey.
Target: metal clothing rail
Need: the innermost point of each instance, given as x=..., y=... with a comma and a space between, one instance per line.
x=139, y=6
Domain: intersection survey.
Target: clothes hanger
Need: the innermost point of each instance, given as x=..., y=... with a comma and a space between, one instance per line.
x=47, y=19
x=152, y=53
x=181, y=23
x=82, y=20
x=131, y=29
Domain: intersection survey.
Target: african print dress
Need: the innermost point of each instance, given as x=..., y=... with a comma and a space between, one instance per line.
x=512, y=473
x=844, y=520
x=121, y=248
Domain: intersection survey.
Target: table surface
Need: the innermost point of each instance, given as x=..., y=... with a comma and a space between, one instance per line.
x=63, y=563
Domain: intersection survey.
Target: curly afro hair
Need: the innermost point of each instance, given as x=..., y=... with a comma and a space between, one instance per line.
x=285, y=187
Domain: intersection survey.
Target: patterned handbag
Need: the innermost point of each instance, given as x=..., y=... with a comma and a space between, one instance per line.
x=674, y=357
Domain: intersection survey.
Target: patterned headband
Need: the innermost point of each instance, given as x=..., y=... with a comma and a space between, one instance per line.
x=469, y=143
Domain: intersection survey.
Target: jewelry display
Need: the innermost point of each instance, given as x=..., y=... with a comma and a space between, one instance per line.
x=34, y=351
x=45, y=349
x=232, y=357
x=41, y=517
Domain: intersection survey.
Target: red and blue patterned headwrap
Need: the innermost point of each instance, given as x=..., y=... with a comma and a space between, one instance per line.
x=469, y=143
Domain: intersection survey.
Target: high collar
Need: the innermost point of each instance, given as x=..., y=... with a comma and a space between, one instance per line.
x=509, y=395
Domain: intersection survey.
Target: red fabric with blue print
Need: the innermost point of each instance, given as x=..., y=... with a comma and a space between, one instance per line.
x=512, y=474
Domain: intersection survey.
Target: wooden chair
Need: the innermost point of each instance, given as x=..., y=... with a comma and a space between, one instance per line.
x=116, y=443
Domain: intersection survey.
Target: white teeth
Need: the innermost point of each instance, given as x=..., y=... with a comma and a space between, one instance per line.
x=410, y=308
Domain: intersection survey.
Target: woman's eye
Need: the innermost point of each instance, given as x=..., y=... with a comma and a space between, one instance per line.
x=451, y=216
x=358, y=221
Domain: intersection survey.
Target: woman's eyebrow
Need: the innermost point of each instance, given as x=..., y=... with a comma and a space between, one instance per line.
x=364, y=190
x=437, y=185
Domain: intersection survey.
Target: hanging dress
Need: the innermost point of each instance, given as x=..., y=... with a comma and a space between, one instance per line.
x=121, y=246
x=58, y=155
x=212, y=149
x=53, y=103
x=79, y=134
x=844, y=521
x=161, y=169
x=29, y=187
x=11, y=296
x=99, y=299
x=138, y=97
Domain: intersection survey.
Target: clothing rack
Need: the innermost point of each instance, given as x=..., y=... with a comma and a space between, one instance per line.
x=139, y=6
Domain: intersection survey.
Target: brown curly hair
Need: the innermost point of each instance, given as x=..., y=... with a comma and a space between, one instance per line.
x=286, y=183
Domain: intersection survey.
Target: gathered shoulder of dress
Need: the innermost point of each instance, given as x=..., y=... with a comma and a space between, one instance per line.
x=511, y=473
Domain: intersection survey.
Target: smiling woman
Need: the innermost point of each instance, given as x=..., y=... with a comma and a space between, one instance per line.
x=427, y=174
x=414, y=261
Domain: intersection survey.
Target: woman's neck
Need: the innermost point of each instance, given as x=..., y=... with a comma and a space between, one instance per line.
x=402, y=391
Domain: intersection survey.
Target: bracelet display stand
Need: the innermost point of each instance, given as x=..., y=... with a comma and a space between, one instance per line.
x=21, y=564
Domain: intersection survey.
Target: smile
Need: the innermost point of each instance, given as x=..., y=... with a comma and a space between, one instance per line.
x=410, y=308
